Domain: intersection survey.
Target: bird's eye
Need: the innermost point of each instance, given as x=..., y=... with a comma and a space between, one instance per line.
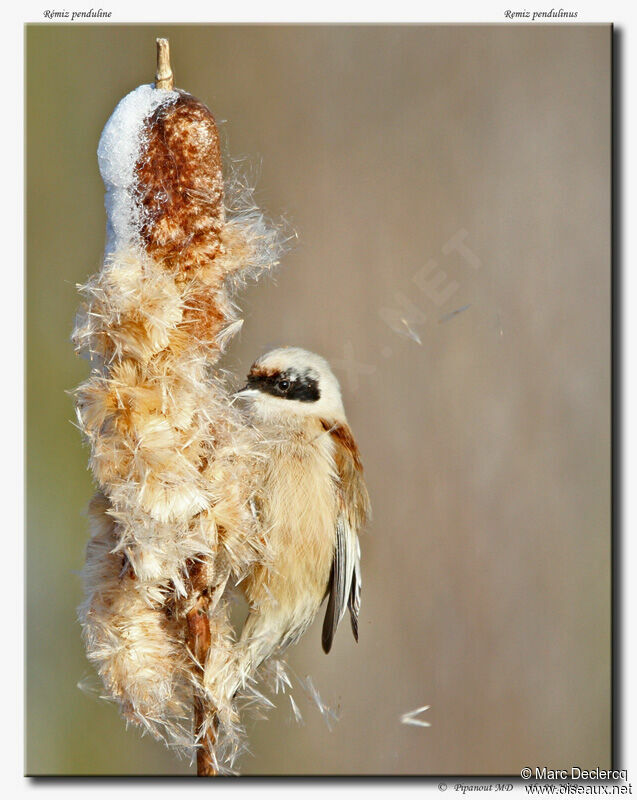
x=284, y=385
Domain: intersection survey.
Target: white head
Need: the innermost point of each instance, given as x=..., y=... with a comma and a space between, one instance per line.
x=290, y=383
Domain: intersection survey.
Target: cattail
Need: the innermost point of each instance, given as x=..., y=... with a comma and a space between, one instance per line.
x=172, y=522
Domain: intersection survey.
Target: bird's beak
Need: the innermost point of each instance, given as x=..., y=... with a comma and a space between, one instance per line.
x=246, y=392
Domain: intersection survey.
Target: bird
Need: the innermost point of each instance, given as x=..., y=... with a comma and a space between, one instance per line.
x=312, y=503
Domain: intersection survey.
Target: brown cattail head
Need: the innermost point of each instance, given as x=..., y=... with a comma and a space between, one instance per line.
x=180, y=184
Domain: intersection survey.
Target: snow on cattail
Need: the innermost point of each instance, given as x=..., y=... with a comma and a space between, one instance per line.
x=172, y=522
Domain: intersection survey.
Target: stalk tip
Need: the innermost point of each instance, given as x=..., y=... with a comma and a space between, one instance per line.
x=164, y=78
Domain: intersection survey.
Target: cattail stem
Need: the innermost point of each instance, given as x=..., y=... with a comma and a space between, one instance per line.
x=197, y=622
x=164, y=78
x=198, y=642
x=205, y=764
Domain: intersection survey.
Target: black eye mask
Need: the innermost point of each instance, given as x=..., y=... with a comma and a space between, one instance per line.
x=290, y=386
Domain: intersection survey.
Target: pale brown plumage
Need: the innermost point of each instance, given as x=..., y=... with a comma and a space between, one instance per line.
x=311, y=504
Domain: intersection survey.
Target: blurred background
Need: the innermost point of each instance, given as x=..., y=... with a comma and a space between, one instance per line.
x=450, y=189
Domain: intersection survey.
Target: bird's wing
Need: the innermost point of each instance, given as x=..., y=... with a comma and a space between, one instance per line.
x=354, y=510
x=341, y=583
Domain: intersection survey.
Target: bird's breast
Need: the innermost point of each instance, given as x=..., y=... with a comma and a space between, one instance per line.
x=298, y=512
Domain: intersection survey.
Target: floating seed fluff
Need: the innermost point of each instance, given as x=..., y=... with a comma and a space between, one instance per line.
x=172, y=522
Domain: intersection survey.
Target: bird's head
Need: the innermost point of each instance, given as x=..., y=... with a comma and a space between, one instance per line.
x=290, y=383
